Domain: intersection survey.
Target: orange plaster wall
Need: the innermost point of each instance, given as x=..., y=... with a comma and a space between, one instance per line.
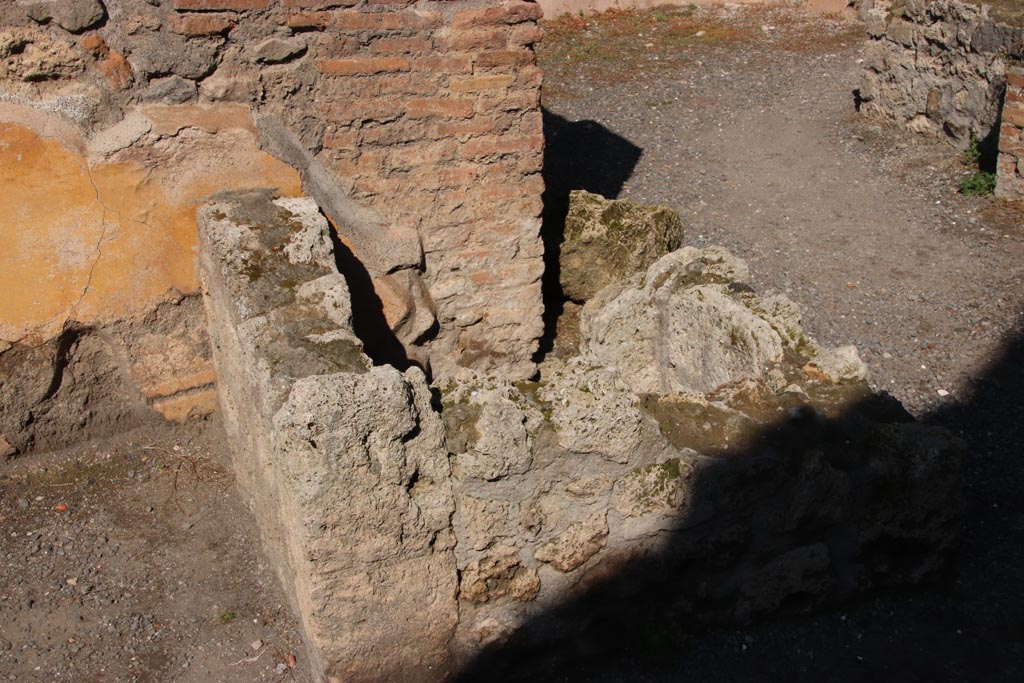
x=107, y=240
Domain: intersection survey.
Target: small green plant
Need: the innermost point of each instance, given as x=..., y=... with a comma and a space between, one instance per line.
x=227, y=617
x=978, y=184
x=972, y=155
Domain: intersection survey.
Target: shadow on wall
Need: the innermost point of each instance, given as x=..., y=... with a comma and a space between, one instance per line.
x=965, y=623
x=578, y=155
x=368, y=320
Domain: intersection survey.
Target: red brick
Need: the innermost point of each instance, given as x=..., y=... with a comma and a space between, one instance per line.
x=516, y=101
x=363, y=110
x=448, y=107
x=435, y=179
x=421, y=154
x=393, y=135
x=94, y=43
x=310, y=20
x=530, y=77
x=448, y=64
x=1015, y=95
x=337, y=46
x=478, y=125
x=526, y=34
x=347, y=139
x=507, y=144
x=532, y=123
x=479, y=83
x=200, y=24
x=318, y=4
x=509, y=13
x=357, y=66
x=400, y=45
x=406, y=84
x=1015, y=78
x=352, y=20
x=515, y=57
x=214, y=5
x=478, y=39
x=1014, y=116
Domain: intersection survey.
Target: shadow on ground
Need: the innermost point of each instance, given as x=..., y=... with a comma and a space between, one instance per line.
x=578, y=155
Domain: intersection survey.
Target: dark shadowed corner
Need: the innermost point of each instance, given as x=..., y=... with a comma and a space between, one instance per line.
x=578, y=155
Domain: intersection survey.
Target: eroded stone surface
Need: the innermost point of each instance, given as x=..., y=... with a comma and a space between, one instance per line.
x=344, y=463
x=606, y=241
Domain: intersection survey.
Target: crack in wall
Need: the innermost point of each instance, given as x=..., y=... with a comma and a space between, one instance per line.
x=98, y=248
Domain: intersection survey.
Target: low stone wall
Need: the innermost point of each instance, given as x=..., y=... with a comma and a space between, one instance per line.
x=700, y=446
x=343, y=463
x=939, y=66
x=1010, y=167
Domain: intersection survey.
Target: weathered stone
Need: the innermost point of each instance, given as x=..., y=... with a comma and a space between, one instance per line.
x=485, y=521
x=502, y=444
x=663, y=488
x=352, y=456
x=31, y=55
x=939, y=67
x=170, y=90
x=683, y=329
x=581, y=541
x=277, y=50
x=606, y=241
x=162, y=54
x=72, y=15
x=6, y=449
x=593, y=411
x=497, y=574
x=842, y=364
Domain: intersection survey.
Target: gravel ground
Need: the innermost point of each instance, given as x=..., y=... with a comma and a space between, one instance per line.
x=758, y=146
x=132, y=559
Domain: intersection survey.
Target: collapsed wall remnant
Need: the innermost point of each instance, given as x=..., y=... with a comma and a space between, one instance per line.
x=720, y=451
x=416, y=127
x=343, y=463
x=939, y=66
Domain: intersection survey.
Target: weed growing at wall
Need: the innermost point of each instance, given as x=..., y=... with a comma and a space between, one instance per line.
x=979, y=184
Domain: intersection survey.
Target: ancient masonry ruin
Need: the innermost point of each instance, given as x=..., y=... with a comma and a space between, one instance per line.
x=323, y=217
x=950, y=68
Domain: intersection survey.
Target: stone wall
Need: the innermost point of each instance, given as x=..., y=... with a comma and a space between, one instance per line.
x=700, y=459
x=1010, y=166
x=415, y=125
x=939, y=66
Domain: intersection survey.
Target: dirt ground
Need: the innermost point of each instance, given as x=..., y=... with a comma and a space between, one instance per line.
x=133, y=558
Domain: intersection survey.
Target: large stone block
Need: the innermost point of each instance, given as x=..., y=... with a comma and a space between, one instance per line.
x=343, y=463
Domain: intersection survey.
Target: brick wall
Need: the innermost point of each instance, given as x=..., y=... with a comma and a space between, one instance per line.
x=430, y=116
x=1010, y=170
